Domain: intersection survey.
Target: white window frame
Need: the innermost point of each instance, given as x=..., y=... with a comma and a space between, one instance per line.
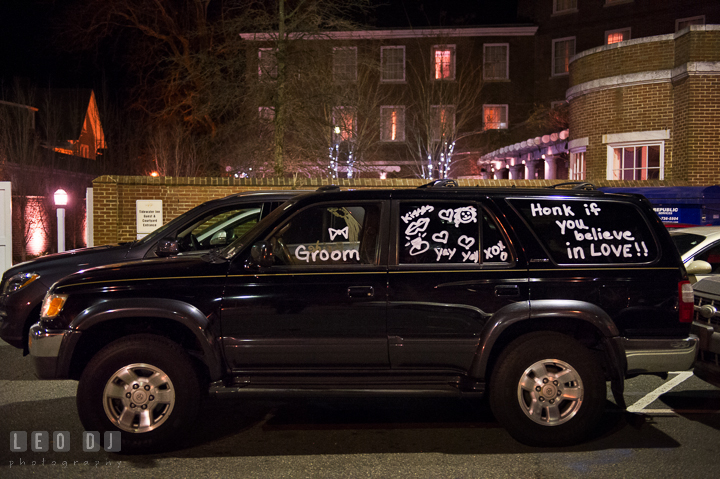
x=337, y=136
x=506, y=75
x=500, y=123
x=577, y=170
x=688, y=19
x=351, y=78
x=435, y=129
x=267, y=75
x=453, y=61
x=400, y=133
x=382, y=64
x=557, y=11
x=554, y=43
x=618, y=30
x=634, y=144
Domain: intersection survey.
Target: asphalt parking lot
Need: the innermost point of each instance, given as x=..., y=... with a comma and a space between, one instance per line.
x=671, y=429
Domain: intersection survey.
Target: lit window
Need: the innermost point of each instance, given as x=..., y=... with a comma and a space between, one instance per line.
x=393, y=63
x=495, y=61
x=563, y=50
x=443, y=121
x=267, y=63
x=636, y=161
x=616, y=36
x=686, y=22
x=577, y=166
x=444, y=62
x=564, y=6
x=345, y=64
x=495, y=117
x=343, y=123
x=392, y=119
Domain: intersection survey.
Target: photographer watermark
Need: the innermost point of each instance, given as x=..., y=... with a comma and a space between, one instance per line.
x=39, y=441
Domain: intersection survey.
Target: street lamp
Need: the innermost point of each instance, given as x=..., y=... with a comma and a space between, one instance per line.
x=61, y=200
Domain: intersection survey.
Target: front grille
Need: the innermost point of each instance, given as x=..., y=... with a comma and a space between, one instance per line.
x=702, y=301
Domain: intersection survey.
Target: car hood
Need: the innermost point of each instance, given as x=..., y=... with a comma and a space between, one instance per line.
x=148, y=270
x=709, y=285
x=61, y=264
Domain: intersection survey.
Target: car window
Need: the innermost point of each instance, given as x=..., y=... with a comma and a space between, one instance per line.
x=686, y=241
x=331, y=234
x=443, y=232
x=218, y=228
x=589, y=231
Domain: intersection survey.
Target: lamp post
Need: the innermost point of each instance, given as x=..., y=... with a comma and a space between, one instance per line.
x=61, y=199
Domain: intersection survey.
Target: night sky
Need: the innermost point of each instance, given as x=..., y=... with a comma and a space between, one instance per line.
x=28, y=48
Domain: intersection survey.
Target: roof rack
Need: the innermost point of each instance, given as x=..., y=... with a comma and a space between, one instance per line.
x=440, y=183
x=576, y=185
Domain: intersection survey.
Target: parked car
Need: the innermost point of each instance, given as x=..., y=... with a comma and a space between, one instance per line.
x=706, y=326
x=212, y=224
x=536, y=297
x=700, y=250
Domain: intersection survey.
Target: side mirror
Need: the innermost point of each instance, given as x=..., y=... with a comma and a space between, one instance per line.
x=167, y=247
x=218, y=239
x=261, y=255
x=699, y=267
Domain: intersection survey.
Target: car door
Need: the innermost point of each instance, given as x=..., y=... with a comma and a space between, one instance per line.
x=452, y=266
x=322, y=304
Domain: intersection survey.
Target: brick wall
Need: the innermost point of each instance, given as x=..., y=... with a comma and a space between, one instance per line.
x=114, y=196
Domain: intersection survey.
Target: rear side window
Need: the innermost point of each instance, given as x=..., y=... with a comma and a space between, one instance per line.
x=588, y=231
x=449, y=233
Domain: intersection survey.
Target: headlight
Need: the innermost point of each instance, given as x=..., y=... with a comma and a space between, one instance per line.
x=19, y=281
x=52, y=305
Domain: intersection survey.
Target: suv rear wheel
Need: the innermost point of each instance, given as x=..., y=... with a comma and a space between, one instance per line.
x=144, y=386
x=547, y=390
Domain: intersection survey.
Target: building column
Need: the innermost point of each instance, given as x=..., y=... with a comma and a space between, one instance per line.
x=550, y=167
x=530, y=166
x=516, y=172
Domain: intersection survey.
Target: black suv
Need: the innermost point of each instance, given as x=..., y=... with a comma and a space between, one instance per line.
x=215, y=223
x=536, y=297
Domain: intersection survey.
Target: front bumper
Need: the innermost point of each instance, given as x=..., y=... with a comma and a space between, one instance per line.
x=647, y=356
x=706, y=326
x=45, y=350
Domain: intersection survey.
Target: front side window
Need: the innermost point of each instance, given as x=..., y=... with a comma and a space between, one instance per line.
x=218, y=228
x=455, y=233
x=635, y=161
x=338, y=234
x=562, y=49
x=616, y=36
x=444, y=62
x=495, y=61
x=589, y=231
x=443, y=121
x=392, y=119
x=345, y=64
x=495, y=117
x=267, y=64
x=343, y=124
x=393, y=64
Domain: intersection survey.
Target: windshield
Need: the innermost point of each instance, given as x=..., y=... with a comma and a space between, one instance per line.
x=233, y=248
x=686, y=241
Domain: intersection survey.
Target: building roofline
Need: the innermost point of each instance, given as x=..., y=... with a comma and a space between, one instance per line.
x=495, y=31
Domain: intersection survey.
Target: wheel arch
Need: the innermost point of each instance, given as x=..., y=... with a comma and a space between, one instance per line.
x=583, y=321
x=180, y=322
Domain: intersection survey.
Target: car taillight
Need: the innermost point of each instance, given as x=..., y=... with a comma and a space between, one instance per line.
x=686, y=301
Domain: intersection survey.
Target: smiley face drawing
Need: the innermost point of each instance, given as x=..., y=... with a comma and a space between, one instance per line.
x=465, y=215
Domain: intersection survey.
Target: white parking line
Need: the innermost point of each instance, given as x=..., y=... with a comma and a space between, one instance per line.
x=640, y=405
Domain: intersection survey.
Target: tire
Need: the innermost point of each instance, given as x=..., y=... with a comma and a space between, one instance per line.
x=144, y=386
x=547, y=390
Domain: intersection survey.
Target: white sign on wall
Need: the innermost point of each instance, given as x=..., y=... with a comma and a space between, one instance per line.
x=149, y=216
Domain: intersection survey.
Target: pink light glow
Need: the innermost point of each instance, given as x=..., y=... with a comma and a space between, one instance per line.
x=37, y=237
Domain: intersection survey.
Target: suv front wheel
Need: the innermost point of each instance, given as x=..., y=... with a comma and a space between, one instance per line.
x=145, y=386
x=547, y=390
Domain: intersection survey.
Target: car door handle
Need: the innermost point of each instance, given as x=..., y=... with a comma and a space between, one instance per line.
x=361, y=291
x=507, y=290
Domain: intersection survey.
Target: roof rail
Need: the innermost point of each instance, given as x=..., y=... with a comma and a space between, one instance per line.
x=576, y=185
x=328, y=188
x=440, y=183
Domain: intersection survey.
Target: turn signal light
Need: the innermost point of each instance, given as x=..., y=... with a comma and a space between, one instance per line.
x=52, y=305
